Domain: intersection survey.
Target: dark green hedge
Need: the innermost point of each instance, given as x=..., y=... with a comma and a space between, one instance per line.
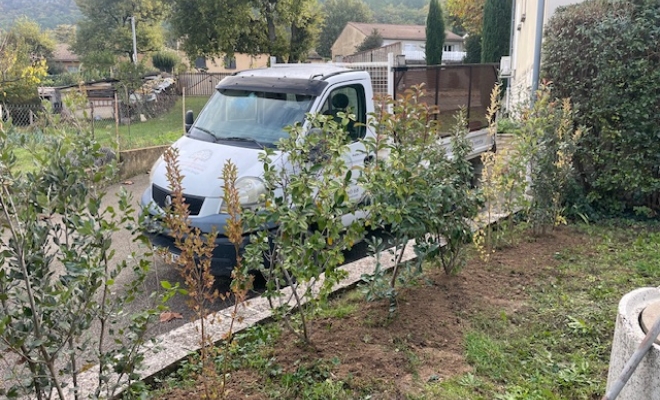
x=496, y=34
x=605, y=56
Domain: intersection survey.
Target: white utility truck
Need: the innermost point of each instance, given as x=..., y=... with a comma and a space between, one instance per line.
x=249, y=111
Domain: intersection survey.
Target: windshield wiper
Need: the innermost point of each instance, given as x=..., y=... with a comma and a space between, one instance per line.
x=240, y=139
x=205, y=131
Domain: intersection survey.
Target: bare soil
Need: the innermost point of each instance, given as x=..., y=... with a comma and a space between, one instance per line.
x=394, y=357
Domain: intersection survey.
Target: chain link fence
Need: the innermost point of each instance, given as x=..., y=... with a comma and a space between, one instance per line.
x=21, y=114
x=122, y=109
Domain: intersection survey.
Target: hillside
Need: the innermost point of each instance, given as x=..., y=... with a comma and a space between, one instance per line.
x=48, y=13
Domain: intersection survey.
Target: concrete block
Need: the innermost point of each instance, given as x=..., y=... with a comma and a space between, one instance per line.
x=139, y=161
x=628, y=334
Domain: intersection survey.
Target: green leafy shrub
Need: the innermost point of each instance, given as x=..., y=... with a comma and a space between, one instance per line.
x=300, y=232
x=373, y=41
x=416, y=189
x=165, y=61
x=546, y=141
x=59, y=273
x=603, y=55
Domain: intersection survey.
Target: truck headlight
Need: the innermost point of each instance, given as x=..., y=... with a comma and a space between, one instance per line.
x=249, y=193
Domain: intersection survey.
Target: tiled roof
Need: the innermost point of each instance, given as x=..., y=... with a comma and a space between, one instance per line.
x=400, y=32
x=63, y=53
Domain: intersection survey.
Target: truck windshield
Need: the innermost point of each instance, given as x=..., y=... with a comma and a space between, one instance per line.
x=250, y=116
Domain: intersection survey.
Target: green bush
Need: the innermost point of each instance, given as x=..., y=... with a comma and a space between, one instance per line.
x=418, y=192
x=304, y=202
x=59, y=275
x=497, y=30
x=603, y=55
x=373, y=41
x=165, y=61
x=473, y=49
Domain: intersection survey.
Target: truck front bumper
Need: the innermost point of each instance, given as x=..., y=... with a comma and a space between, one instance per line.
x=223, y=259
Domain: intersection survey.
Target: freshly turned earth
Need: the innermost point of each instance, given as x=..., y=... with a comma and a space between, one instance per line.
x=433, y=315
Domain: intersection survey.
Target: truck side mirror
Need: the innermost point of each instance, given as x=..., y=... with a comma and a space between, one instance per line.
x=190, y=119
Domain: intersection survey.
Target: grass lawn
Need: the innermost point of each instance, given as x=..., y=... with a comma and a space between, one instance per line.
x=158, y=131
x=535, y=322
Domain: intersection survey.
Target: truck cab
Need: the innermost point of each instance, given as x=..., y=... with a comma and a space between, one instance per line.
x=248, y=112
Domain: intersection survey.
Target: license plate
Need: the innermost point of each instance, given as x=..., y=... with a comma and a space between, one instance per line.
x=174, y=257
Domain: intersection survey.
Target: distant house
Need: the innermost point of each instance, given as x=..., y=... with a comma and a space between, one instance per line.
x=521, y=62
x=64, y=59
x=238, y=62
x=411, y=37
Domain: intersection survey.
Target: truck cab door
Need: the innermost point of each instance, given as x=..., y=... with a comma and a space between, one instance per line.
x=350, y=99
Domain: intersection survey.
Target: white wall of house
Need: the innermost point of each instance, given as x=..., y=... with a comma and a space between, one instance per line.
x=523, y=45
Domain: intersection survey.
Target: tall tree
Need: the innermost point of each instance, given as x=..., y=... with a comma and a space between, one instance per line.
x=435, y=34
x=470, y=13
x=40, y=44
x=64, y=33
x=304, y=18
x=399, y=14
x=496, y=31
x=197, y=23
x=20, y=70
x=286, y=29
x=472, y=49
x=337, y=14
x=106, y=31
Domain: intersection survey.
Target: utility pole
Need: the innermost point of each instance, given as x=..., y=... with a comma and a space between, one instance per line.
x=135, y=58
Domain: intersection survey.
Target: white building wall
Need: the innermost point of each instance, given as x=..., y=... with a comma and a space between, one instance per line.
x=524, y=37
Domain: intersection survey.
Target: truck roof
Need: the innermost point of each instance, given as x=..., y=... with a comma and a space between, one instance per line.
x=307, y=79
x=297, y=71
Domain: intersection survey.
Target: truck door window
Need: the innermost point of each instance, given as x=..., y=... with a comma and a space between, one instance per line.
x=350, y=100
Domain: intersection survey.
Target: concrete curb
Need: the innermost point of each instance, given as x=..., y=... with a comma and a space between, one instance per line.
x=138, y=161
x=180, y=343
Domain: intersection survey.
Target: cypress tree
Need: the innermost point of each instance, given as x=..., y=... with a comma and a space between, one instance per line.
x=496, y=31
x=472, y=49
x=435, y=34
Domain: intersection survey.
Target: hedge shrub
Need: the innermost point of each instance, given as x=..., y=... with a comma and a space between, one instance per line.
x=605, y=56
x=165, y=61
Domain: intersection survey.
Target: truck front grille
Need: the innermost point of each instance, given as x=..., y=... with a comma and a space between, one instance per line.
x=161, y=195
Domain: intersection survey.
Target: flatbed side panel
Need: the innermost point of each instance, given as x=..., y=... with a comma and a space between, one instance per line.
x=481, y=140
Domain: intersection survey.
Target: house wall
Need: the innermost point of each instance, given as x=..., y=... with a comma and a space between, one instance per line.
x=379, y=54
x=414, y=49
x=243, y=61
x=347, y=41
x=522, y=58
x=68, y=66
